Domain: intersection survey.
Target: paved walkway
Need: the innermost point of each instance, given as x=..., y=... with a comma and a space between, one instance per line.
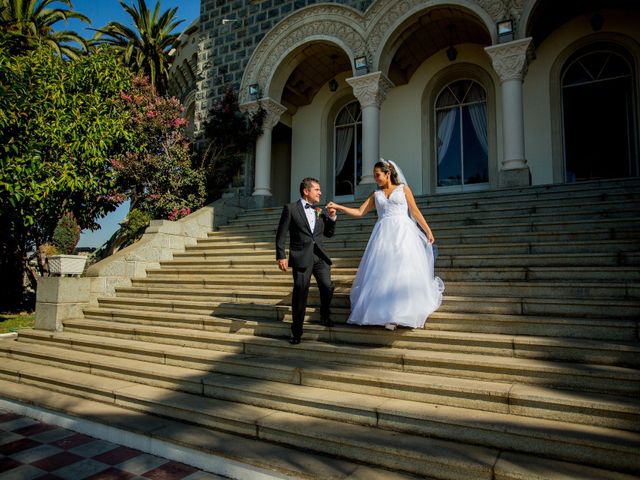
x=33, y=450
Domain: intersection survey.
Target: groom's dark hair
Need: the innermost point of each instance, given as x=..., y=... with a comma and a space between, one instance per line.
x=306, y=183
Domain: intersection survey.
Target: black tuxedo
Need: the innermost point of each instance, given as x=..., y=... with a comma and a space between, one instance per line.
x=307, y=256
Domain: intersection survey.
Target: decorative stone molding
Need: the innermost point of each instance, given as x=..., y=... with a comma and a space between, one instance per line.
x=511, y=60
x=160, y=240
x=330, y=21
x=274, y=110
x=382, y=15
x=370, y=89
x=356, y=33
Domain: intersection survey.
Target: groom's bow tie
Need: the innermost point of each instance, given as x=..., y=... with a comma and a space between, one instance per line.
x=308, y=205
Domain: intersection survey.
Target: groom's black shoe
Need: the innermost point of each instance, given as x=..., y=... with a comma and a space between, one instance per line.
x=326, y=322
x=294, y=340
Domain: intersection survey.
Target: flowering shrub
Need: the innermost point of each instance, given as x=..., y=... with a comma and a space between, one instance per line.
x=177, y=214
x=158, y=176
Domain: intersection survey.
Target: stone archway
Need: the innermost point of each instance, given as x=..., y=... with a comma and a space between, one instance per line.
x=334, y=24
x=412, y=22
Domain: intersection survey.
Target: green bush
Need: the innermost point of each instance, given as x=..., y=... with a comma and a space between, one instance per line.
x=66, y=235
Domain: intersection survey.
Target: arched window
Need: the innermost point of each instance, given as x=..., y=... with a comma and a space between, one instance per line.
x=461, y=137
x=348, y=149
x=598, y=107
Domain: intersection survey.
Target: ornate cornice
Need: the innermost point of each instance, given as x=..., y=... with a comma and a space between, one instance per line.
x=511, y=60
x=370, y=89
x=357, y=33
x=273, y=109
x=329, y=21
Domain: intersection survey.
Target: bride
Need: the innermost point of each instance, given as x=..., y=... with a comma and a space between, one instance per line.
x=395, y=284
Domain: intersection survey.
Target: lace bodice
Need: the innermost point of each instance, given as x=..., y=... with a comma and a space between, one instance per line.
x=395, y=205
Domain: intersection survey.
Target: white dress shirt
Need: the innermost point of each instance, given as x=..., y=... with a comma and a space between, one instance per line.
x=310, y=213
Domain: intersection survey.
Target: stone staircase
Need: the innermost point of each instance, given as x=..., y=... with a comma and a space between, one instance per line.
x=529, y=370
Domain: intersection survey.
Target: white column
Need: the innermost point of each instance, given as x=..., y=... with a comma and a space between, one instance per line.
x=370, y=90
x=262, y=181
x=510, y=61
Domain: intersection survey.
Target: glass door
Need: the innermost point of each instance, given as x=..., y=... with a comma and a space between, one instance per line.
x=347, y=151
x=461, y=137
x=598, y=116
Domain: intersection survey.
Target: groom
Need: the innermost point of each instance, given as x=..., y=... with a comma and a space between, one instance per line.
x=306, y=225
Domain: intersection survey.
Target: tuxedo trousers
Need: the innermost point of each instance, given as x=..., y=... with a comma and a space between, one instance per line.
x=321, y=271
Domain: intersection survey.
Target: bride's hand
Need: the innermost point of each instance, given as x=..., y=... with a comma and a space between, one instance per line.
x=333, y=206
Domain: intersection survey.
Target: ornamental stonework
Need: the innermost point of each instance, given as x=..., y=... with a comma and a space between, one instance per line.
x=511, y=60
x=327, y=20
x=370, y=89
x=257, y=35
x=272, y=108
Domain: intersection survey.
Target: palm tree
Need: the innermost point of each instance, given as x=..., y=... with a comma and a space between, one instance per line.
x=145, y=48
x=27, y=22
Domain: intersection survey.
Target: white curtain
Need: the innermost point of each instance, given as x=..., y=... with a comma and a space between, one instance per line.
x=478, y=114
x=446, y=121
x=344, y=138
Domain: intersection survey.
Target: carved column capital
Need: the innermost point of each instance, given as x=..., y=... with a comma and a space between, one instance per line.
x=274, y=110
x=511, y=60
x=370, y=89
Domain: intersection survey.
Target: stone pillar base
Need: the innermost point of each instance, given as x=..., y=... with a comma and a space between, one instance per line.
x=517, y=177
x=261, y=201
x=363, y=190
x=59, y=299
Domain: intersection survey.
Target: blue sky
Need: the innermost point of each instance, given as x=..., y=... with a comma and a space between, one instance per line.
x=102, y=12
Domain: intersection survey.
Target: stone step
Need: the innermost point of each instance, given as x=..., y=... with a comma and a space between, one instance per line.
x=597, y=189
x=415, y=454
x=502, y=199
x=561, y=440
x=194, y=370
x=280, y=288
x=583, y=209
x=476, y=366
x=356, y=249
x=205, y=275
x=347, y=229
x=604, y=259
x=222, y=301
x=461, y=220
x=608, y=349
x=273, y=445
x=342, y=241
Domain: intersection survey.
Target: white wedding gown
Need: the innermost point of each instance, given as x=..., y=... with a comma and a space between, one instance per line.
x=395, y=282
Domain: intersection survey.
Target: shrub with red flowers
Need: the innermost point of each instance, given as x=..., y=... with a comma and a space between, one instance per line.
x=158, y=176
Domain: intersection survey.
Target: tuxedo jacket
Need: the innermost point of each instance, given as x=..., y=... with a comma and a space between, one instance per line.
x=303, y=243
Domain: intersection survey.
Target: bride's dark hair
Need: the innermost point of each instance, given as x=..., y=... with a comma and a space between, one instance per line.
x=388, y=168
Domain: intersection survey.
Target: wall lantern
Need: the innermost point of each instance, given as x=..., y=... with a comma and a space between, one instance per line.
x=596, y=22
x=505, y=31
x=333, y=83
x=452, y=53
x=360, y=64
x=254, y=90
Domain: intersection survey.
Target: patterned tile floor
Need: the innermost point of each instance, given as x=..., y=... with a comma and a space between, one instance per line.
x=30, y=449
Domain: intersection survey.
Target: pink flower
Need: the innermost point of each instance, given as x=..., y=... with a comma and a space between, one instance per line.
x=178, y=122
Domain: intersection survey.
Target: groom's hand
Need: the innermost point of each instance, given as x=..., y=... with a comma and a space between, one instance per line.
x=283, y=264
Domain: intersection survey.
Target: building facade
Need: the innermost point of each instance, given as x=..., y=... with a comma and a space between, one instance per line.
x=464, y=95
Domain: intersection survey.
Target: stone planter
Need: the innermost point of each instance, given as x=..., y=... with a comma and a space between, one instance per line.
x=66, y=264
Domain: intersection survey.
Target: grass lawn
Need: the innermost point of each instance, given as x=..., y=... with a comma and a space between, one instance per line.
x=11, y=322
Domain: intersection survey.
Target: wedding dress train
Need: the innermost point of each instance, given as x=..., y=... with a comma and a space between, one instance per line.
x=395, y=283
